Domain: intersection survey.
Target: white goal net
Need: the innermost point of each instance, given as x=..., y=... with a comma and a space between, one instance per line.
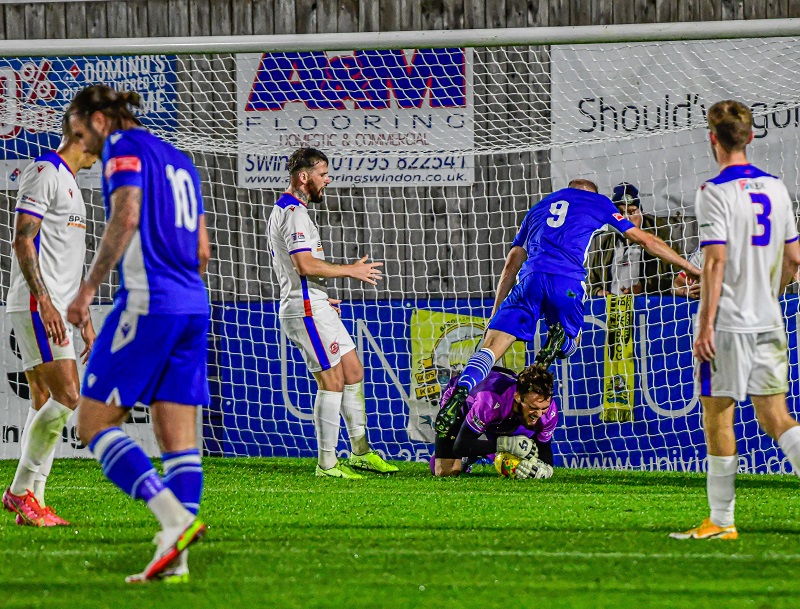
x=436, y=155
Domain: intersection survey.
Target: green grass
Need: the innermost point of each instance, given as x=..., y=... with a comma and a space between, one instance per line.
x=279, y=537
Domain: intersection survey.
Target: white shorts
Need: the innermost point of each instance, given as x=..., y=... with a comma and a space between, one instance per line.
x=321, y=338
x=753, y=363
x=34, y=345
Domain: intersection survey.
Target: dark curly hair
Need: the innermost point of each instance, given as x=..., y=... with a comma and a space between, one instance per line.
x=305, y=158
x=100, y=98
x=535, y=379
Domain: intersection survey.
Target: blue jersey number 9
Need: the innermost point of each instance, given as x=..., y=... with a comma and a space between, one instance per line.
x=185, y=198
x=559, y=211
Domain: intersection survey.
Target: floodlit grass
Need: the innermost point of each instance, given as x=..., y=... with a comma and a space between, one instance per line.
x=279, y=537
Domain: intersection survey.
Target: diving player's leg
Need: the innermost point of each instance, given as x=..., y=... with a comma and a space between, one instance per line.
x=355, y=414
x=495, y=343
x=563, y=311
x=516, y=319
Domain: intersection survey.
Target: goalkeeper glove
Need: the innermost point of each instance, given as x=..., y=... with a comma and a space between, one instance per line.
x=519, y=446
x=533, y=468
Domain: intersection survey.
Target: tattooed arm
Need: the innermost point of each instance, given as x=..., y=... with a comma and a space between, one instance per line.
x=126, y=206
x=26, y=227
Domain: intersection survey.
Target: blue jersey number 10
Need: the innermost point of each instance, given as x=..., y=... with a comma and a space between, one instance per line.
x=185, y=198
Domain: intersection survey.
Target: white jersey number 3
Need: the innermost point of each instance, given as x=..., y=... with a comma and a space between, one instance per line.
x=559, y=211
x=185, y=198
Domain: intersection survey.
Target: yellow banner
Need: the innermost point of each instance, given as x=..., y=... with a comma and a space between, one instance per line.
x=618, y=367
x=441, y=345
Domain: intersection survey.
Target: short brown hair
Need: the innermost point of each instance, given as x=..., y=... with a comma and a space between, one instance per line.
x=535, y=379
x=100, y=98
x=583, y=184
x=732, y=124
x=305, y=158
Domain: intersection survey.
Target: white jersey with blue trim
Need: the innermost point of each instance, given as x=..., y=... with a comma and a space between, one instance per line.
x=750, y=212
x=292, y=231
x=47, y=190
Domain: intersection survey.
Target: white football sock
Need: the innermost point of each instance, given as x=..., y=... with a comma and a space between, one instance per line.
x=170, y=513
x=40, y=480
x=355, y=417
x=790, y=445
x=327, y=406
x=27, y=429
x=45, y=430
x=720, y=485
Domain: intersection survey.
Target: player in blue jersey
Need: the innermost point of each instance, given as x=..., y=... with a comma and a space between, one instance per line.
x=546, y=262
x=152, y=347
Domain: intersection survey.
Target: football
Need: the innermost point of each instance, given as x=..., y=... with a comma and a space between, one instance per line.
x=506, y=464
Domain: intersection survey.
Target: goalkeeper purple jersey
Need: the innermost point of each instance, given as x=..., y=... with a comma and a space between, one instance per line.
x=490, y=409
x=158, y=272
x=557, y=231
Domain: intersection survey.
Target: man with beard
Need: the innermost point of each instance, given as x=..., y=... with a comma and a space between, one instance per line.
x=311, y=319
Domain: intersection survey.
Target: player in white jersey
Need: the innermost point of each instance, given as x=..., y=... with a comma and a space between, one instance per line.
x=311, y=320
x=46, y=270
x=750, y=247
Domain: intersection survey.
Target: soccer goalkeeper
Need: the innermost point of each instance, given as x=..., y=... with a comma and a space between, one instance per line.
x=503, y=413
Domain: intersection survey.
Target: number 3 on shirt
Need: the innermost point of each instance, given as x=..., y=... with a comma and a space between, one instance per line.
x=762, y=218
x=184, y=197
x=559, y=211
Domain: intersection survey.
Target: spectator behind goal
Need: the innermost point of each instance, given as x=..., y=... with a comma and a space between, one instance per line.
x=617, y=266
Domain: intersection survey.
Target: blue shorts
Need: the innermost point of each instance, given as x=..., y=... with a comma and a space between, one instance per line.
x=141, y=359
x=557, y=298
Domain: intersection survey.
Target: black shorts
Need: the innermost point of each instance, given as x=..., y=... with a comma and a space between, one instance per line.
x=445, y=448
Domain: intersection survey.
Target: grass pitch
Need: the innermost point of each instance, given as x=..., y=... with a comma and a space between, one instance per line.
x=279, y=537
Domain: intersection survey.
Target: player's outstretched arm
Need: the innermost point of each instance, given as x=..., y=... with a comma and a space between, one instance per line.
x=126, y=208
x=710, y=292
x=26, y=227
x=791, y=261
x=514, y=261
x=203, y=244
x=655, y=246
x=308, y=266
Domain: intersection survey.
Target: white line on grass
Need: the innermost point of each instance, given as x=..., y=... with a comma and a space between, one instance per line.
x=767, y=556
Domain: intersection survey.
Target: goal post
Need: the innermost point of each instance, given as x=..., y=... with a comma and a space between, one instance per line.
x=439, y=143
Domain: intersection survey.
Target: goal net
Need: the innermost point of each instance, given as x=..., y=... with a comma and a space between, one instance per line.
x=436, y=155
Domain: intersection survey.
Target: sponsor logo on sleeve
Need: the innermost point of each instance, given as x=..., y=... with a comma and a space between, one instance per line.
x=28, y=199
x=77, y=221
x=476, y=421
x=298, y=237
x=619, y=217
x=123, y=163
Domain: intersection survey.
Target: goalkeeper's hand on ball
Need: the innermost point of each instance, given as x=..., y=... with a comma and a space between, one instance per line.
x=533, y=468
x=519, y=446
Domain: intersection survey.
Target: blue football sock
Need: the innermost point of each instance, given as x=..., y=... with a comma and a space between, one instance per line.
x=183, y=475
x=570, y=346
x=477, y=368
x=126, y=464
